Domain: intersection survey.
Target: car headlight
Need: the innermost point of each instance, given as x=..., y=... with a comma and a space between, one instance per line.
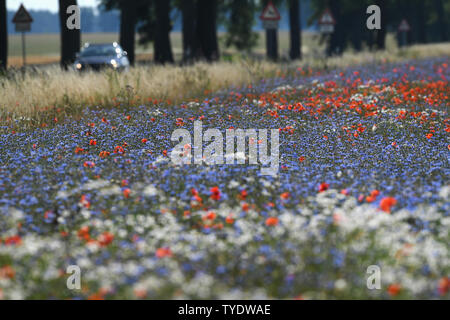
x=78, y=66
x=114, y=63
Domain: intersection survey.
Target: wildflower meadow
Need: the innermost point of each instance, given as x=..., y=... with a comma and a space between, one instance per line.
x=362, y=184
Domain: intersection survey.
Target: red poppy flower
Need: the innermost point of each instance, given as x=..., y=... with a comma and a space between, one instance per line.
x=243, y=195
x=13, y=240
x=323, y=187
x=271, y=222
x=210, y=216
x=444, y=286
x=140, y=294
x=387, y=203
x=89, y=164
x=105, y=239
x=215, y=193
x=7, y=272
x=119, y=149
x=394, y=289
x=229, y=219
x=126, y=193
x=104, y=154
x=163, y=253
x=85, y=202
x=96, y=297
x=375, y=193
x=285, y=195
x=83, y=233
x=179, y=122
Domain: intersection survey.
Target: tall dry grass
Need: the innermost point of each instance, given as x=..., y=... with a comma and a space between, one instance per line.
x=48, y=92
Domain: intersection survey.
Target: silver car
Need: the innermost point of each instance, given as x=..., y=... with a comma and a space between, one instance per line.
x=102, y=56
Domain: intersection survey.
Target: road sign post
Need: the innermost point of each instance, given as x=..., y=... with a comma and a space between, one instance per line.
x=326, y=26
x=270, y=18
x=24, y=55
x=403, y=29
x=22, y=19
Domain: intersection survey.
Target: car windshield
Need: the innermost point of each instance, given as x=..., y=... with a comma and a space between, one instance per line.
x=97, y=51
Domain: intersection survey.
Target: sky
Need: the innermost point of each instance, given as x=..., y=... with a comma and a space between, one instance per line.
x=51, y=5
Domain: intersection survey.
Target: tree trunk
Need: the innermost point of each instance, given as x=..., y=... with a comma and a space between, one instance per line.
x=295, y=29
x=188, y=11
x=336, y=42
x=70, y=39
x=3, y=36
x=441, y=24
x=421, y=20
x=206, y=30
x=163, y=49
x=381, y=34
x=272, y=44
x=128, y=19
x=353, y=30
x=76, y=42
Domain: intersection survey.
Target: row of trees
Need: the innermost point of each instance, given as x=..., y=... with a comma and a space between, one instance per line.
x=151, y=18
x=200, y=19
x=152, y=21
x=426, y=18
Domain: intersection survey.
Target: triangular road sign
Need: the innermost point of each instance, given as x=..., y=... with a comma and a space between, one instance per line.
x=404, y=26
x=22, y=16
x=270, y=12
x=327, y=18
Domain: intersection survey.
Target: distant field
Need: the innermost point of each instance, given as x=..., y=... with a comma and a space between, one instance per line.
x=44, y=48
